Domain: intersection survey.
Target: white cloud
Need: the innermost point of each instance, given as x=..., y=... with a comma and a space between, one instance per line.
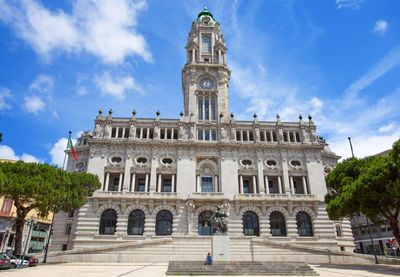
x=387, y=128
x=106, y=29
x=6, y=152
x=380, y=27
x=352, y=4
x=43, y=84
x=391, y=60
x=34, y=104
x=57, y=152
x=4, y=94
x=116, y=86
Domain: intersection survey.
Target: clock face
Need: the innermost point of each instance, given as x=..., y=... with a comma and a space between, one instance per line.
x=206, y=84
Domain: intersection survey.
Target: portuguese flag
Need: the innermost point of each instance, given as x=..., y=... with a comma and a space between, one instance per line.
x=70, y=146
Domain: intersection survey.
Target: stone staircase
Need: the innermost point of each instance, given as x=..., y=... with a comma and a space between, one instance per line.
x=240, y=268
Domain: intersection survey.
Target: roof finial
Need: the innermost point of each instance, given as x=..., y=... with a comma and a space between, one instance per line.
x=205, y=8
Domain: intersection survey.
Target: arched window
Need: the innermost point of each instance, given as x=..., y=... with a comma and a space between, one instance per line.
x=205, y=223
x=136, y=223
x=250, y=224
x=108, y=222
x=278, y=226
x=304, y=226
x=164, y=223
x=206, y=44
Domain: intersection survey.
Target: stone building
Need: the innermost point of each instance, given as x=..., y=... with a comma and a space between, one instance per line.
x=164, y=178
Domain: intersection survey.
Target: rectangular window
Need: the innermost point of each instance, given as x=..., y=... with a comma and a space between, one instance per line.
x=339, y=231
x=200, y=134
x=114, y=185
x=7, y=205
x=113, y=132
x=200, y=107
x=213, y=135
x=207, y=135
x=166, y=185
x=141, y=184
x=71, y=214
x=207, y=110
x=64, y=247
x=212, y=108
x=246, y=186
x=271, y=186
x=206, y=184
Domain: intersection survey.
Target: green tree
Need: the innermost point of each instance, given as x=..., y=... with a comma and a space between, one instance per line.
x=43, y=188
x=370, y=185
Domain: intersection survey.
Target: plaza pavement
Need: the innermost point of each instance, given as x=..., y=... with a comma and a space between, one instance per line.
x=158, y=270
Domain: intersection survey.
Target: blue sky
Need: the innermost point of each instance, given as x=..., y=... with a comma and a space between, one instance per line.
x=61, y=61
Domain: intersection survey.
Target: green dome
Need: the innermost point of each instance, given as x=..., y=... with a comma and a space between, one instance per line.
x=203, y=13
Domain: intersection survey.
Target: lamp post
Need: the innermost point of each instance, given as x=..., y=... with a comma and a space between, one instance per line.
x=368, y=224
x=31, y=222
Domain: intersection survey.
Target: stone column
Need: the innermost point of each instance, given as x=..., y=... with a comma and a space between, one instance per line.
x=127, y=179
x=133, y=182
x=280, y=184
x=159, y=183
x=241, y=184
x=266, y=184
x=254, y=184
x=291, y=185
x=219, y=57
x=146, y=183
x=285, y=173
x=198, y=184
x=260, y=173
x=107, y=181
x=216, y=183
x=121, y=175
x=303, y=178
x=173, y=183
x=193, y=55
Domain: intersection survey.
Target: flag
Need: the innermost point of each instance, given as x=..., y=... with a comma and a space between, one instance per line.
x=70, y=146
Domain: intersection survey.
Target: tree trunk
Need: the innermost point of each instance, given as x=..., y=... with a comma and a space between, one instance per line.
x=19, y=226
x=18, y=233
x=395, y=228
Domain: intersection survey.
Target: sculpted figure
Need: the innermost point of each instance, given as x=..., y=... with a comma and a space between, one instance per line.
x=192, y=133
x=219, y=221
x=223, y=133
x=304, y=134
x=97, y=130
x=182, y=134
x=107, y=131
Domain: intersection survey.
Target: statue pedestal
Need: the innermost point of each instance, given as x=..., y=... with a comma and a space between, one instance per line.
x=221, y=248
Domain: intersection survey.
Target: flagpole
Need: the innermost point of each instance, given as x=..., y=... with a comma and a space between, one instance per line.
x=52, y=219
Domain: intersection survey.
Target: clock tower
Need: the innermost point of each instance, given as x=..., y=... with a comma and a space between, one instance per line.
x=205, y=76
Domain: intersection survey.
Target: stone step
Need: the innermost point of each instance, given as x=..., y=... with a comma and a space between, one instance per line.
x=239, y=268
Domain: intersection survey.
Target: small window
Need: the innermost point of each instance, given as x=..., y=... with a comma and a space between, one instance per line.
x=116, y=160
x=71, y=214
x=64, y=247
x=141, y=160
x=247, y=162
x=80, y=166
x=339, y=231
x=167, y=161
x=271, y=163
x=200, y=135
x=295, y=163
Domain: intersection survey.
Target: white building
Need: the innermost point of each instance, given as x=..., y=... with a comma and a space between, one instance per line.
x=163, y=178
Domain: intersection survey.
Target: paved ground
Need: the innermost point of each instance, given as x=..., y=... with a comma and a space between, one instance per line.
x=158, y=270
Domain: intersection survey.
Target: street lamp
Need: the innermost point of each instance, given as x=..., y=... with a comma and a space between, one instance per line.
x=369, y=225
x=30, y=223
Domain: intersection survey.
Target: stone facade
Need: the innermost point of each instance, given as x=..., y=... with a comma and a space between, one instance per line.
x=187, y=166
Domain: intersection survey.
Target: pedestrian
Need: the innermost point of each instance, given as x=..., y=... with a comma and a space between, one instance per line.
x=208, y=260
